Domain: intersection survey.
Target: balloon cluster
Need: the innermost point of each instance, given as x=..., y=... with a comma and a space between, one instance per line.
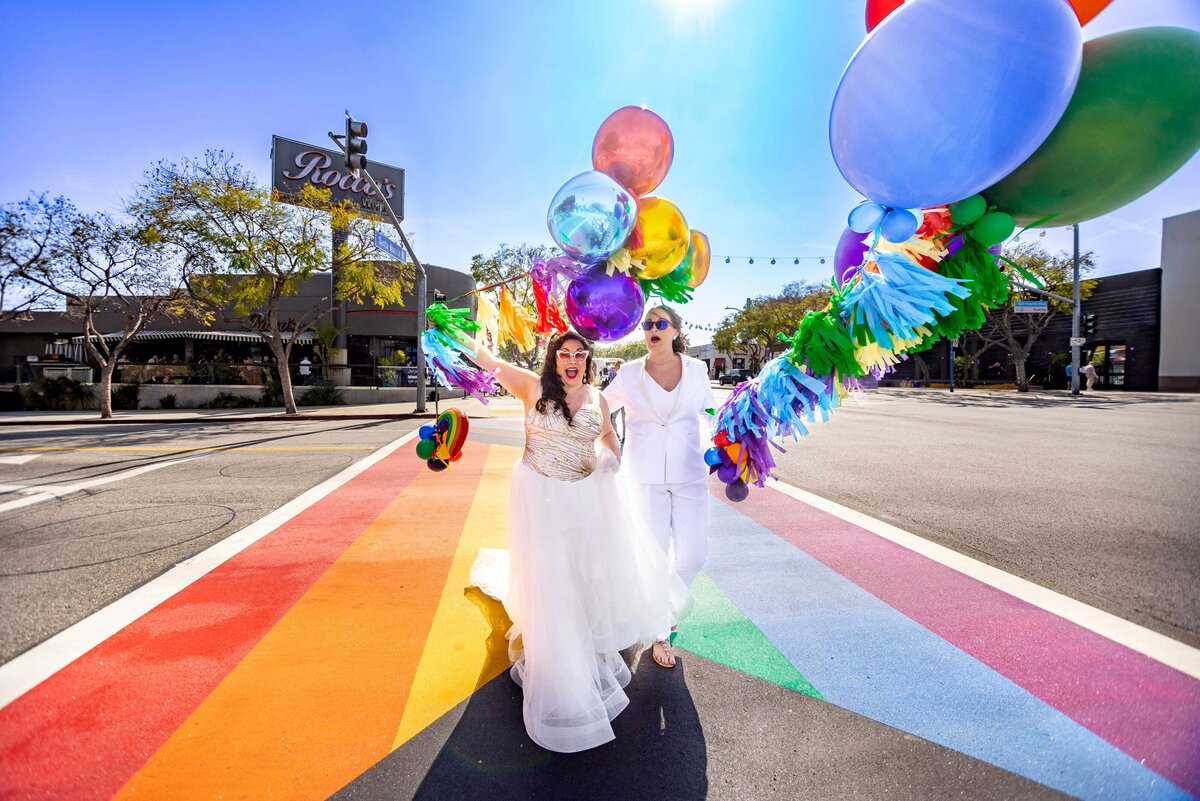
x=1004, y=116
x=622, y=244
x=442, y=442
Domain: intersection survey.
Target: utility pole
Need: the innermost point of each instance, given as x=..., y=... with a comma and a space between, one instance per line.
x=1075, y=318
x=354, y=148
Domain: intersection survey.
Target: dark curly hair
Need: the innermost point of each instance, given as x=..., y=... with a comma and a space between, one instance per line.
x=553, y=391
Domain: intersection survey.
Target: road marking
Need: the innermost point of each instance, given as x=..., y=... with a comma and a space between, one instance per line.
x=48, y=492
x=1159, y=647
x=23, y=459
x=42, y=661
x=169, y=449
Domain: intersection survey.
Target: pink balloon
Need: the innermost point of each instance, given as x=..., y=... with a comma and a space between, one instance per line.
x=849, y=254
x=634, y=147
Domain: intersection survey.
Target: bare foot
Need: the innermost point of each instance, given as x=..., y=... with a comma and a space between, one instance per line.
x=664, y=653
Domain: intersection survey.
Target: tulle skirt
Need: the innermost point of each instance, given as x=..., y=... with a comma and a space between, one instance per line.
x=583, y=579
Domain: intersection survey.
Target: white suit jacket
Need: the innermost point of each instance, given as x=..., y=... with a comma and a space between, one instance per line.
x=666, y=450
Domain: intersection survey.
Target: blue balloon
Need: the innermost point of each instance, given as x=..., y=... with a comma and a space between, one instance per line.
x=866, y=217
x=949, y=97
x=899, y=225
x=712, y=457
x=426, y=432
x=591, y=216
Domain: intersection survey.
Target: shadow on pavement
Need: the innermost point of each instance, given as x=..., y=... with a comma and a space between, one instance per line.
x=1011, y=398
x=659, y=751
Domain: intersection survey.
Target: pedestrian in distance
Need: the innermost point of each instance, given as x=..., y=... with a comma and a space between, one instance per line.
x=305, y=371
x=1089, y=372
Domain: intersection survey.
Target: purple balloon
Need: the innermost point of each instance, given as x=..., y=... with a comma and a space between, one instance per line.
x=737, y=491
x=849, y=254
x=728, y=473
x=604, y=307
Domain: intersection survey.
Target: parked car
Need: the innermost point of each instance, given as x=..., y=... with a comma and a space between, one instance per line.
x=734, y=376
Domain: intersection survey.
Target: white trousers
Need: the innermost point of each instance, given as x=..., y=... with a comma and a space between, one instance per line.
x=679, y=518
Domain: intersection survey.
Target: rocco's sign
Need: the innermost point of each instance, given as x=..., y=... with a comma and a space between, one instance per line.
x=294, y=163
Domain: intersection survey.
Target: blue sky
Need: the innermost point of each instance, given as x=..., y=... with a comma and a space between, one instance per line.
x=490, y=107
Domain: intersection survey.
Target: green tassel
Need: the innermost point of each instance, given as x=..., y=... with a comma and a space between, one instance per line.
x=454, y=323
x=667, y=288
x=823, y=342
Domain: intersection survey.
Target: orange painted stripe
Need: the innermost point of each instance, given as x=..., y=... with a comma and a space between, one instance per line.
x=318, y=700
x=83, y=732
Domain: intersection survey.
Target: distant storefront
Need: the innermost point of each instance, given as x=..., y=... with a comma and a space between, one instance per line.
x=228, y=351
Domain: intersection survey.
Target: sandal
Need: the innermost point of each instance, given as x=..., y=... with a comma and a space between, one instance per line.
x=664, y=653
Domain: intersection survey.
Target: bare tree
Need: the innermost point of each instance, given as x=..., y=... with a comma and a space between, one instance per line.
x=247, y=249
x=1016, y=332
x=99, y=266
x=31, y=231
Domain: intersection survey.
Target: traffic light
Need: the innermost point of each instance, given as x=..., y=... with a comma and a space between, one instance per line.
x=356, y=144
x=1089, y=324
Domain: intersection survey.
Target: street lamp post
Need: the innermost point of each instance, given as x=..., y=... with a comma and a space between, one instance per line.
x=1075, y=317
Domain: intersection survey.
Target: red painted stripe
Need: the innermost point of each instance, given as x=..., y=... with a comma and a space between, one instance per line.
x=1148, y=710
x=84, y=731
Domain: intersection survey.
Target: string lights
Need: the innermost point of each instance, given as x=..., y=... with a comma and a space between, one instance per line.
x=771, y=259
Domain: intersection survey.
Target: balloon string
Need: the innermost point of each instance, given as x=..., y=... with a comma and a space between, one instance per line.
x=489, y=286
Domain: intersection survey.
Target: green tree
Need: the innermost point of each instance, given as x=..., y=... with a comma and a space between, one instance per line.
x=246, y=249
x=626, y=351
x=101, y=265
x=1016, y=333
x=755, y=329
x=508, y=264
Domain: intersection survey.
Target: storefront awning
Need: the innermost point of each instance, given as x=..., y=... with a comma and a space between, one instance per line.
x=222, y=336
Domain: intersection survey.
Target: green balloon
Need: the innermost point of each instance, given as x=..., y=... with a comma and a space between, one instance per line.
x=968, y=210
x=1133, y=121
x=993, y=228
x=425, y=448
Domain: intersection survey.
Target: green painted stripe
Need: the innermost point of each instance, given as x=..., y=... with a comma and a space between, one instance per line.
x=717, y=630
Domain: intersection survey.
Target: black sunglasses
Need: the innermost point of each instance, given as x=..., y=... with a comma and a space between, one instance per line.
x=661, y=325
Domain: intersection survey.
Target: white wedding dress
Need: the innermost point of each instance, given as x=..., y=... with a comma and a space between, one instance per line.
x=582, y=580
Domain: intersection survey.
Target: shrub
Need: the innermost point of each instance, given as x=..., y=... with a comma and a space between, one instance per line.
x=272, y=393
x=167, y=401
x=12, y=401
x=125, y=397
x=228, y=400
x=56, y=394
x=323, y=395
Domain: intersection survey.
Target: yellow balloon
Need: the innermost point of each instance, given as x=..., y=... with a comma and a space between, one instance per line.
x=701, y=256
x=661, y=236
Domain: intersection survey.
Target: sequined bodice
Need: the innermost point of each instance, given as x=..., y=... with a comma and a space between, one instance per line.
x=558, y=450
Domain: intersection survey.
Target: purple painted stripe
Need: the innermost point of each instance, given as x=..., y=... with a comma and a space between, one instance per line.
x=1148, y=710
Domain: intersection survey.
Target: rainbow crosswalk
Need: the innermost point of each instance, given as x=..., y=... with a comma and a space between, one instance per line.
x=293, y=666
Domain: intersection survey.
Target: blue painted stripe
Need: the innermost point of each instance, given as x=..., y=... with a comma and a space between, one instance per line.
x=865, y=656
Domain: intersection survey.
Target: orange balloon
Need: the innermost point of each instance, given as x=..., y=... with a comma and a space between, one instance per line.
x=660, y=236
x=634, y=147
x=700, y=255
x=878, y=10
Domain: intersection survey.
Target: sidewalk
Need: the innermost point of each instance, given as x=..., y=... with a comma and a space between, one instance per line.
x=495, y=407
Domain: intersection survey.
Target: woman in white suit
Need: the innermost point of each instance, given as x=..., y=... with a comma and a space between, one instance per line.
x=665, y=395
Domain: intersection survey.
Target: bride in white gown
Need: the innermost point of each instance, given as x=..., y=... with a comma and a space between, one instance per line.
x=584, y=577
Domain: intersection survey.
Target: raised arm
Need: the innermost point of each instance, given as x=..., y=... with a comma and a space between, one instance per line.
x=522, y=383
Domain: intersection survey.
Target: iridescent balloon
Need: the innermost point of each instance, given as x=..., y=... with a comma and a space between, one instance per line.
x=634, y=146
x=661, y=238
x=604, y=307
x=848, y=256
x=591, y=216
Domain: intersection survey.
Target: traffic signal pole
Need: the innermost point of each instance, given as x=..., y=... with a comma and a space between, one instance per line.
x=1075, y=307
x=354, y=148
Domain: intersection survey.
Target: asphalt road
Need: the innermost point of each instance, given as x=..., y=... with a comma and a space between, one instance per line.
x=63, y=558
x=1094, y=497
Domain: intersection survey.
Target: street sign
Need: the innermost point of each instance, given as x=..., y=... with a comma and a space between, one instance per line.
x=389, y=247
x=295, y=163
x=1030, y=306
x=1078, y=342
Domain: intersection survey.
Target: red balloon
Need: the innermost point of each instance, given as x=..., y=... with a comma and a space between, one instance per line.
x=634, y=147
x=877, y=10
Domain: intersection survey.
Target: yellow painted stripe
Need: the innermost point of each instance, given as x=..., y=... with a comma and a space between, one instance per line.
x=317, y=700
x=466, y=647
